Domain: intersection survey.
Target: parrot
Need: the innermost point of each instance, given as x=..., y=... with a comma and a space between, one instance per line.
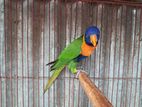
x=76, y=51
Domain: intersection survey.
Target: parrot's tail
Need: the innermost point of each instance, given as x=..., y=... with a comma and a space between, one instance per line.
x=53, y=77
x=50, y=63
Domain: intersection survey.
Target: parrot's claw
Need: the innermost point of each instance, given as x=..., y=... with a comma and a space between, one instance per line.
x=80, y=67
x=78, y=72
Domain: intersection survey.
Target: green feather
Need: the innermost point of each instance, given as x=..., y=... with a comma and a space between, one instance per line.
x=69, y=53
x=53, y=77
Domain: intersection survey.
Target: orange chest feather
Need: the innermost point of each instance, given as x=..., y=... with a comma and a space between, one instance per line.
x=86, y=50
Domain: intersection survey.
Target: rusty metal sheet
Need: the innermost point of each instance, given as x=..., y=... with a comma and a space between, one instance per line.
x=33, y=33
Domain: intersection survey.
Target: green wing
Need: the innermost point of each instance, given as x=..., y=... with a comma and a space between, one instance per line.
x=69, y=53
x=65, y=58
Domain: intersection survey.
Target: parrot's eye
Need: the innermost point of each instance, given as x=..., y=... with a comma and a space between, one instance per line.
x=93, y=39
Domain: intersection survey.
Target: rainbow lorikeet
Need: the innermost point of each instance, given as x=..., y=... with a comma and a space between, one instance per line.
x=76, y=51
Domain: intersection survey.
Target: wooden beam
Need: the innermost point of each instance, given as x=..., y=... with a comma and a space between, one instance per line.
x=94, y=94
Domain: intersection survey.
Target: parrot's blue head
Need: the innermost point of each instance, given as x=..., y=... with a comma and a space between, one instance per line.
x=92, y=35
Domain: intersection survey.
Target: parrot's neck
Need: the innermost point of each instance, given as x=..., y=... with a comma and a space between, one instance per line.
x=86, y=50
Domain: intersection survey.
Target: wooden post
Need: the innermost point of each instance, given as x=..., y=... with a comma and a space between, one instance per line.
x=93, y=93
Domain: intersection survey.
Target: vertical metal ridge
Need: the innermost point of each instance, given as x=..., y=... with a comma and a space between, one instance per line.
x=100, y=45
x=39, y=55
x=49, y=50
x=22, y=53
x=1, y=51
x=28, y=5
x=5, y=47
x=119, y=56
x=113, y=68
x=17, y=52
x=124, y=60
x=43, y=50
x=129, y=60
x=33, y=51
x=133, y=50
x=10, y=19
x=138, y=56
x=55, y=21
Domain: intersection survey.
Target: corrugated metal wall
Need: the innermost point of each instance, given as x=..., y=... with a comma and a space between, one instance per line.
x=32, y=33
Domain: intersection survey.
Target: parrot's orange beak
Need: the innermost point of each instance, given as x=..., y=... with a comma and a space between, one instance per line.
x=93, y=39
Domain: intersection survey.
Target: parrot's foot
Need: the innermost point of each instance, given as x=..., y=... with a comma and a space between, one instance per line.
x=78, y=72
x=80, y=67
